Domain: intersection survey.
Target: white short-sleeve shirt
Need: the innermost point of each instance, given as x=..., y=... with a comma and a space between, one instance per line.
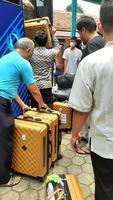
x=92, y=92
x=73, y=57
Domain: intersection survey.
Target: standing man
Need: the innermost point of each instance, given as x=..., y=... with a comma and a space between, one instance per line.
x=87, y=29
x=14, y=68
x=92, y=94
x=72, y=57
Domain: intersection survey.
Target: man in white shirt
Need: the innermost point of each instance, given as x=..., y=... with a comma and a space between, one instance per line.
x=92, y=94
x=72, y=57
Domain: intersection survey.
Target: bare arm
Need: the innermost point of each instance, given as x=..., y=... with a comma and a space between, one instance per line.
x=78, y=121
x=65, y=66
x=34, y=90
x=28, y=5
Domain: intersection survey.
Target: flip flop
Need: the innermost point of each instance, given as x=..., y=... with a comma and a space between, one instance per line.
x=80, y=151
x=14, y=180
x=85, y=149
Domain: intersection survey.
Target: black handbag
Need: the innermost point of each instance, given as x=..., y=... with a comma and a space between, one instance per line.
x=65, y=81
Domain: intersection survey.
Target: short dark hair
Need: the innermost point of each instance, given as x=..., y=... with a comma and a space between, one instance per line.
x=74, y=38
x=86, y=22
x=41, y=38
x=106, y=15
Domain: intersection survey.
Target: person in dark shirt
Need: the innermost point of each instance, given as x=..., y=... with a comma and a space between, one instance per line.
x=87, y=29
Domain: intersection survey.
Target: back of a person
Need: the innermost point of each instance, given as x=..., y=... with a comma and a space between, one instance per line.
x=9, y=74
x=101, y=77
x=41, y=64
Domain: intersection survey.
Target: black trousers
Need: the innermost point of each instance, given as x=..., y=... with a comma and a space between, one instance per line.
x=103, y=173
x=46, y=95
x=6, y=134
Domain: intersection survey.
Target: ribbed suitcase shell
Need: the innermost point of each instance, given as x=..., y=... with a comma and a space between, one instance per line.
x=52, y=121
x=30, y=149
x=31, y=26
x=50, y=113
x=66, y=114
x=71, y=188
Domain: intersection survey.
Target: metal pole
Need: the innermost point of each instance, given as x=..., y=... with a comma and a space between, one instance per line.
x=73, y=22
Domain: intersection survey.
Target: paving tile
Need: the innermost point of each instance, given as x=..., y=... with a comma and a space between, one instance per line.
x=29, y=194
x=42, y=194
x=73, y=169
x=91, y=197
x=4, y=190
x=35, y=184
x=85, y=190
x=92, y=187
x=68, y=154
x=78, y=160
x=10, y=196
x=66, y=141
x=85, y=178
x=88, y=159
x=59, y=170
x=23, y=185
x=63, y=147
x=64, y=162
x=87, y=167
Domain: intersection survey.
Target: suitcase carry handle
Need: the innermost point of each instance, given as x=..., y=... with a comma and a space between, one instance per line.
x=38, y=20
x=32, y=118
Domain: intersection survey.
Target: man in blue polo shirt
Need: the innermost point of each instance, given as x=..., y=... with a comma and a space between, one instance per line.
x=14, y=68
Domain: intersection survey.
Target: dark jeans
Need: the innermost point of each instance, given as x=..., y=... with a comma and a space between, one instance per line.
x=103, y=173
x=6, y=135
x=46, y=95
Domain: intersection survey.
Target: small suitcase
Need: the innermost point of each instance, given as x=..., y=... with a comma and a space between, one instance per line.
x=31, y=148
x=66, y=114
x=63, y=187
x=43, y=24
x=52, y=121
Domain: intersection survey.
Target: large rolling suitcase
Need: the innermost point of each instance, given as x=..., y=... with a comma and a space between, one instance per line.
x=63, y=187
x=38, y=24
x=52, y=119
x=66, y=114
x=51, y=113
x=31, y=148
x=52, y=122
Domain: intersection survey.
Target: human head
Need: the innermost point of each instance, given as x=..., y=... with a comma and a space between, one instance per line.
x=25, y=46
x=86, y=26
x=106, y=16
x=41, y=38
x=73, y=42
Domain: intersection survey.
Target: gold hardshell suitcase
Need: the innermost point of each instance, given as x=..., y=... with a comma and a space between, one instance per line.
x=68, y=188
x=43, y=24
x=66, y=114
x=31, y=148
x=53, y=121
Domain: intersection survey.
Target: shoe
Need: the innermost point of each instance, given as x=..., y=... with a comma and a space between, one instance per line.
x=83, y=150
x=14, y=180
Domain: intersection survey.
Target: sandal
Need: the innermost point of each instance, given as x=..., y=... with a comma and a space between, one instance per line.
x=14, y=180
x=83, y=150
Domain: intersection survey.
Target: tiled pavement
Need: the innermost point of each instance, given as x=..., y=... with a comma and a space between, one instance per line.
x=80, y=165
